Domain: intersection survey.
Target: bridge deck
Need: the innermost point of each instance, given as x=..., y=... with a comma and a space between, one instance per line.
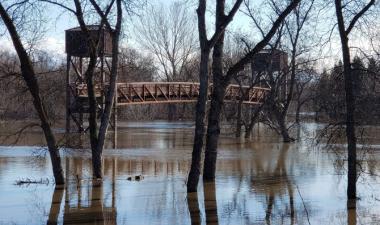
x=171, y=92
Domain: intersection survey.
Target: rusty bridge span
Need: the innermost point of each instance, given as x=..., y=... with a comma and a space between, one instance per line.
x=137, y=93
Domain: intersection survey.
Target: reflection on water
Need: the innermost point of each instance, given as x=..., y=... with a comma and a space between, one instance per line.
x=258, y=182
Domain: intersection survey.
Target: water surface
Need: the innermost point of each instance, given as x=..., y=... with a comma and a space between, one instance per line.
x=258, y=181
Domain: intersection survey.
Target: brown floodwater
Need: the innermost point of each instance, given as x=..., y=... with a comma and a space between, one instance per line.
x=258, y=181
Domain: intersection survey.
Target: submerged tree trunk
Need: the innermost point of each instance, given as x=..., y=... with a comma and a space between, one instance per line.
x=350, y=105
x=195, y=169
x=217, y=99
x=110, y=97
x=350, y=98
x=206, y=46
x=97, y=138
x=221, y=82
x=29, y=76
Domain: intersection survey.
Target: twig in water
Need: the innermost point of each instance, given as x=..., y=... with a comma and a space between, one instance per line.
x=303, y=202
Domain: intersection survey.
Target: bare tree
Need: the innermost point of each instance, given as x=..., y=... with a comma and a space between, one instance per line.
x=205, y=47
x=222, y=79
x=104, y=18
x=292, y=37
x=29, y=75
x=345, y=26
x=168, y=33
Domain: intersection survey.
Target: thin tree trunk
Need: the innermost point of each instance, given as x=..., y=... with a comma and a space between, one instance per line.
x=97, y=138
x=206, y=46
x=253, y=121
x=350, y=105
x=221, y=81
x=110, y=98
x=29, y=77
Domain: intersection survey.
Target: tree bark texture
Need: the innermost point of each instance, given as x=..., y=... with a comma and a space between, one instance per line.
x=195, y=169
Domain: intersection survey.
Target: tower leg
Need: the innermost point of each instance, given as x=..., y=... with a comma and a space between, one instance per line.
x=68, y=95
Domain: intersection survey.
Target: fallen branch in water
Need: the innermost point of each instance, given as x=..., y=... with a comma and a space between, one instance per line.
x=28, y=181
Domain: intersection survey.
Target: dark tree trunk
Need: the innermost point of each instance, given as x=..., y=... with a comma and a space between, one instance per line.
x=97, y=138
x=30, y=79
x=221, y=81
x=253, y=120
x=110, y=97
x=283, y=128
x=206, y=46
x=350, y=104
x=195, y=169
x=217, y=97
x=92, y=119
x=213, y=131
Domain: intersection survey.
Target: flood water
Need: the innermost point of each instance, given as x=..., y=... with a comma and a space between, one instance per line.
x=258, y=181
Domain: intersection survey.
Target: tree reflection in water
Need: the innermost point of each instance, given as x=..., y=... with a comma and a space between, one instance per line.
x=55, y=207
x=210, y=205
x=194, y=209
x=78, y=208
x=351, y=212
x=276, y=184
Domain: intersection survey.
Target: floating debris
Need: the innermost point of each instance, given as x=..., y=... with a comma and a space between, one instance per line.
x=136, y=178
x=28, y=181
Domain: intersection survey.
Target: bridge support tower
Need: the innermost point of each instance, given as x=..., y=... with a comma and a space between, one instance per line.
x=77, y=50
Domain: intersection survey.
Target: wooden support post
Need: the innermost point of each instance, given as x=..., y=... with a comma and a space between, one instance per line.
x=68, y=100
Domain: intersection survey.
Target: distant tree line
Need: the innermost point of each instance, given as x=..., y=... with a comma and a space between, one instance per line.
x=329, y=98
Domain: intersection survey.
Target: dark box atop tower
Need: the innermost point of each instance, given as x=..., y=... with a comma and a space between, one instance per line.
x=77, y=44
x=270, y=60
